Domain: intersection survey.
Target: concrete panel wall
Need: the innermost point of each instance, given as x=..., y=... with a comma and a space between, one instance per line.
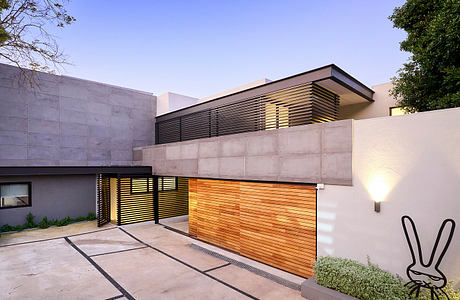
x=379, y=108
x=55, y=197
x=310, y=154
x=411, y=162
x=68, y=121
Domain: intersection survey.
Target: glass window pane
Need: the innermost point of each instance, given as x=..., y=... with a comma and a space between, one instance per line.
x=139, y=185
x=169, y=183
x=12, y=195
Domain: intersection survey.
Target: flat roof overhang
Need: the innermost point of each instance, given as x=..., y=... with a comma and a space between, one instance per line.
x=331, y=77
x=75, y=170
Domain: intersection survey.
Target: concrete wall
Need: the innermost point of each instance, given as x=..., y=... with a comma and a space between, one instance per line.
x=53, y=196
x=379, y=108
x=310, y=154
x=68, y=121
x=168, y=102
x=411, y=162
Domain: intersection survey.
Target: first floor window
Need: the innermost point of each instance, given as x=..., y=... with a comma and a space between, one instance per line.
x=141, y=185
x=167, y=184
x=14, y=195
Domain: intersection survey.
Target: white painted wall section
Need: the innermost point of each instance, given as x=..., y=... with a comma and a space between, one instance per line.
x=169, y=102
x=411, y=163
x=379, y=108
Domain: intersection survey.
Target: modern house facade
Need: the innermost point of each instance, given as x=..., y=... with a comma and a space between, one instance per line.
x=281, y=171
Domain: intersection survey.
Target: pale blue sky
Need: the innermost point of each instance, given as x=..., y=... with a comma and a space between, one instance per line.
x=199, y=48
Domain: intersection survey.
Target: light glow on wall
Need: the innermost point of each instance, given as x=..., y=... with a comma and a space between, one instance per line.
x=378, y=188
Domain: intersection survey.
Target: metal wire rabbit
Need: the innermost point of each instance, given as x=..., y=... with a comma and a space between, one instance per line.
x=421, y=274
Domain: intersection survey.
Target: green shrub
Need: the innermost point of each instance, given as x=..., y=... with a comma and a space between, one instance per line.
x=448, y=289
x=358, y=280
x=45, y=223
x=91, y=216
x=64, y=222
x=30, y=221
x=6, y=228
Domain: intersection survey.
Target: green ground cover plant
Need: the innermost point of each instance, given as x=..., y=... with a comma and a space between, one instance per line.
x=367, y=282
x=45, y=223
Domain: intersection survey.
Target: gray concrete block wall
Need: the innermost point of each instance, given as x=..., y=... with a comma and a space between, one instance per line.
x=316, y=153
x=70, y=121
x=55, y=197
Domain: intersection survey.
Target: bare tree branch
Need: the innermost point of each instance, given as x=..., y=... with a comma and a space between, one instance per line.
x=25, y=40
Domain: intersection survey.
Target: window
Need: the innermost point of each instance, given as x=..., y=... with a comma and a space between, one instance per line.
x=15, y=194
x=396, y=111
x=276, y=116
x=167, y=184
x=141, y=185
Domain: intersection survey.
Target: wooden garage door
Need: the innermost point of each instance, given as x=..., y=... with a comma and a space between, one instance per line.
x=269, y=222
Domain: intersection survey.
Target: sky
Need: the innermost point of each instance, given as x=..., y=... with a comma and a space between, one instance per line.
x=199, y=48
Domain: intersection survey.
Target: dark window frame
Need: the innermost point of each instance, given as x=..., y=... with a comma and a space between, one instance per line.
x=29, y=190
x=149, y=190
x=161, y=189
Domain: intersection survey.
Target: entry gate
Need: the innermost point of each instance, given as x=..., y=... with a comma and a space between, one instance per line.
x=103, y=200
x=125, y=199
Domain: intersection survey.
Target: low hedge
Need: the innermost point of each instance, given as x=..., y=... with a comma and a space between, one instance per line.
x=367, y=282
x=45, y=223
x=358, y=280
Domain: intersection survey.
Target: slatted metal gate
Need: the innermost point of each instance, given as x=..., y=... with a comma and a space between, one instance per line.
x=103, y=200
x=135, y=199
x=172, y=197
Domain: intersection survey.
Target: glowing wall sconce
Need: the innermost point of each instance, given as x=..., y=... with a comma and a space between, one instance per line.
x=378, y=189
x=376, y=206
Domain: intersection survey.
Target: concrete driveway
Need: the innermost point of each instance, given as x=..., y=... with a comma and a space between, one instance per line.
x=145, y=261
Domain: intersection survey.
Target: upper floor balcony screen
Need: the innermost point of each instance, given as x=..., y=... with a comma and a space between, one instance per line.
x=288, y=102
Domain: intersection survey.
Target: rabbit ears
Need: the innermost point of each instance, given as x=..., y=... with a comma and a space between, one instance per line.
x=443, y=240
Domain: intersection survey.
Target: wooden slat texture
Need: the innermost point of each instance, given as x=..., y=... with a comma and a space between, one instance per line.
x=269, y=222
x=174, y=203
x=136, y=201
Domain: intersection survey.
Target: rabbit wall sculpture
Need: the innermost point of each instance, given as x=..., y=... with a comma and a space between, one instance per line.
x=422, y=274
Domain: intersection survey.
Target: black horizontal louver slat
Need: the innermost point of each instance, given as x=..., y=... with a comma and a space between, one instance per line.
x=103, y=200
x=173, y=202
x=299, y=105
x=136, y=200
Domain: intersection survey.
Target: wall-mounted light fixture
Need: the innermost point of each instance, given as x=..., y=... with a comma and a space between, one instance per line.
x=378, y=190
x=377, y=206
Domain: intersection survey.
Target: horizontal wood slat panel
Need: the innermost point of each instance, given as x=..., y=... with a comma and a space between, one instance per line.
x=270, y=222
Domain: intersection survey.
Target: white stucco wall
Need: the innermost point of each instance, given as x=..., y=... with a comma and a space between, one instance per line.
x=169, y=102
x=414, y=160
x=379, y=108
x=236, y=89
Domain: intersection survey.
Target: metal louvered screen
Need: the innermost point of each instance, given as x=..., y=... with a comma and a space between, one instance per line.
x=300, y=105
x=172, y=202
x=103, y=200
x=135, y=200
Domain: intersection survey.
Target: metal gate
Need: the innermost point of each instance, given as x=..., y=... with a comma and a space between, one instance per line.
x=103, y=200
x=127, y=199
x=135, y=199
